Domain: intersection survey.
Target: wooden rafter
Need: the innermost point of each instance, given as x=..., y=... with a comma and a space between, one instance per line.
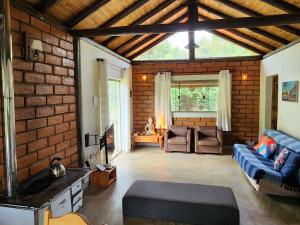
x=253, y=29
x=160, y=20
x=149, y=38
x=86, y=12
x=283, y=5
x=251, y=12
x=143, y=18
x=45, y=5
x=244, y=22
x=124, y=13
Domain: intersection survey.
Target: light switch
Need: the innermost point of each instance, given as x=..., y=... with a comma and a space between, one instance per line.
x=95, y=100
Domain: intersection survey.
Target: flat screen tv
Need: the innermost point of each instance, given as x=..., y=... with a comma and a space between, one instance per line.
x=107, y=142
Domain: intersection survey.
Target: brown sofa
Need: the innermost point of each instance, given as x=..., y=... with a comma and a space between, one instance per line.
x=177, y=139
x=208, y=140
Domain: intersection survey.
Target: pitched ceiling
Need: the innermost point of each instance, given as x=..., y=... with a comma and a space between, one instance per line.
x=87, y=14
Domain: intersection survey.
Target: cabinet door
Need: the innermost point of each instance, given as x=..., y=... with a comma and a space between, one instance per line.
x=62, y=205
x=14, y=216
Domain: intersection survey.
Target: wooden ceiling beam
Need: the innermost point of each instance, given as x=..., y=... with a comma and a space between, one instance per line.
x=192, y=19
x=86, y=12
x=160, y=20
x=192, y=11
x=283, y=5
x=149, y=38
x=143, y=18
x=253, y=28
x=251, y=12
x=244, y=22
x=45, y=5
x=124, y=13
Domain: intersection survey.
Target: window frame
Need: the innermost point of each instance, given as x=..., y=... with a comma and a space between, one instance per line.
x=194, y=114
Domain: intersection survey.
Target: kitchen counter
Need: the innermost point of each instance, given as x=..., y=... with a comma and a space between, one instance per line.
x=37, y=200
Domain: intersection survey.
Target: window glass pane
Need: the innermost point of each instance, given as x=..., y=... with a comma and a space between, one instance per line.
x=199, y=97
x=171, y=48
x=211, y=45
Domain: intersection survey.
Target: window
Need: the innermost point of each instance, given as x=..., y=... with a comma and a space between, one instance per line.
x=212, y=46
x=171, y=48
x=194, y=96
x=209, y=46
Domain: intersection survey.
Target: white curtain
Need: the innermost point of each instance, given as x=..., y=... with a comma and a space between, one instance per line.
x=163, y=116
x=103, y=96
x=125, y=104
x=224, y=106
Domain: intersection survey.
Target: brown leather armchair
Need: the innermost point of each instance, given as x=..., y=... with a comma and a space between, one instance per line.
x=208, y=140
x=177, y=139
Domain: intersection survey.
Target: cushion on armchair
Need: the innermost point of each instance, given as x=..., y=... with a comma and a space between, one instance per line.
x=208, y=141
x=208, y=131
x=178, y=130
x=177, y=141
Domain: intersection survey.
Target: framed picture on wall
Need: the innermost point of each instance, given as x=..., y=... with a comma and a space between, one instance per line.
x=290, y=91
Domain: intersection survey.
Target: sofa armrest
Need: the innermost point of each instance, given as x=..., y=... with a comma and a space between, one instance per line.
x=220, y=137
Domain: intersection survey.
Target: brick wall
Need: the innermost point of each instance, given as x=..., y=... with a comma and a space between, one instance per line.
x=44, y=98
x=245, y=94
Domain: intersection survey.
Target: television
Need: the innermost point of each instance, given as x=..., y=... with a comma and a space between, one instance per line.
x=107, y=142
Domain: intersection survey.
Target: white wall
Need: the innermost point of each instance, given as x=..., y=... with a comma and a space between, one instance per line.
x=285, y=64
x=89, y=52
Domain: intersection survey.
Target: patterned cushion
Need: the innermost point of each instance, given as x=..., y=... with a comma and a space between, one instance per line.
x=291, y=164
x=265, y=146
x=281, y=158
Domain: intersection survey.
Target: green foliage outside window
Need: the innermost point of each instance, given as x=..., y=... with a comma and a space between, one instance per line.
x=194, y=99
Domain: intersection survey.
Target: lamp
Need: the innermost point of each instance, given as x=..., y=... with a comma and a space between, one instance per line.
x=34, y=48
x=244, y=76
x=144, y=77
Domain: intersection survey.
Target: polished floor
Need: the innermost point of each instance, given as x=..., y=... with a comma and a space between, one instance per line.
x=105, y=206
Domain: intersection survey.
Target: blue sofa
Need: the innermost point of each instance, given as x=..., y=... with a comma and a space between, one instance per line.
x=260, y=172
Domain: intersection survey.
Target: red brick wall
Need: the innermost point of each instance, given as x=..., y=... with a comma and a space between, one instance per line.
x=245, y=94
x=44, y=98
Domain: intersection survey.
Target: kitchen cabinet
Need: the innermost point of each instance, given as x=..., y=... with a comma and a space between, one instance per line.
x=63, y=196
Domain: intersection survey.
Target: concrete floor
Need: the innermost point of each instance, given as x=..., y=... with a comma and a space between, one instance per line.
x=105, y=206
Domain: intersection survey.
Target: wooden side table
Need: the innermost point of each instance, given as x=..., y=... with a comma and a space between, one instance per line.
x=103, y=178
x=148, y=139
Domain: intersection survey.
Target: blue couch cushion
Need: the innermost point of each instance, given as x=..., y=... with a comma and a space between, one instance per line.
x=291, y=164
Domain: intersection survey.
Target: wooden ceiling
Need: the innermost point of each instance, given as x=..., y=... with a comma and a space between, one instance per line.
x=89, y=14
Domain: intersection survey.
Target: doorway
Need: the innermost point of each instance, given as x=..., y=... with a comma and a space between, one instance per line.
x=274, y=106
x=115, y=113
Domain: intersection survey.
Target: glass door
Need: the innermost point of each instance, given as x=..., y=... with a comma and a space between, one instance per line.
x=115, y=113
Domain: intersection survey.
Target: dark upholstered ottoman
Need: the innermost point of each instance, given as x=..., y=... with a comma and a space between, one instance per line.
x=181, y=203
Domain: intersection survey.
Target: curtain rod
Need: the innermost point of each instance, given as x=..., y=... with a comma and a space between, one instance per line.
x=102, y=60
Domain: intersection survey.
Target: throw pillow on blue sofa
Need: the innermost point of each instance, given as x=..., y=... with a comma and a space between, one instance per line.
x=281, y=158
x=291, y=164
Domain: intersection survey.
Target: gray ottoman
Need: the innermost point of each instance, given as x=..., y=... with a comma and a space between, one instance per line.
x=181, y=203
